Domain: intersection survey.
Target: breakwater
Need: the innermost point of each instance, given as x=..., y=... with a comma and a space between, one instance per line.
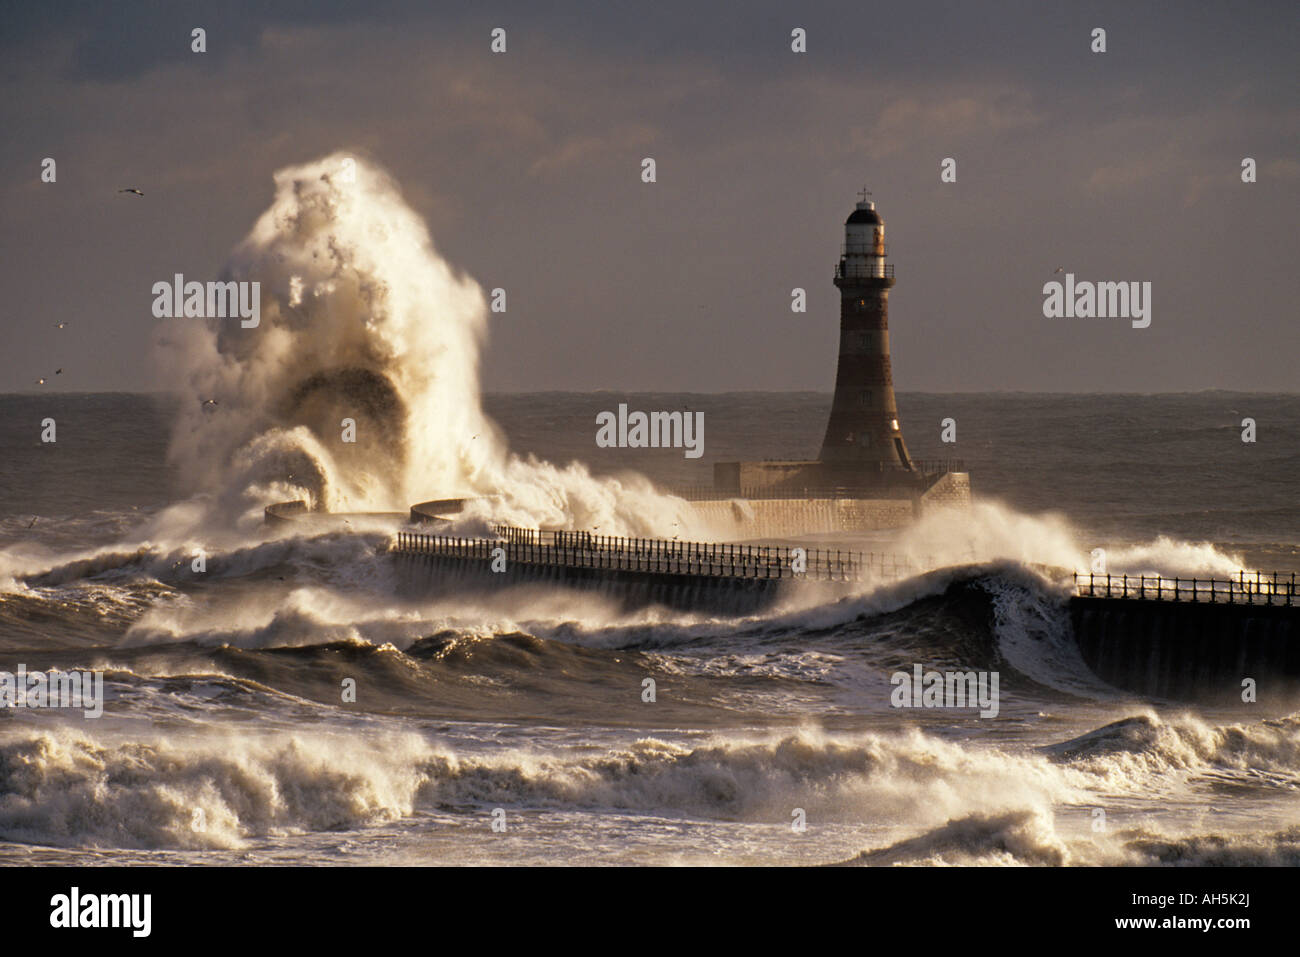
x=1177, y=638
x=635, y=571
x=1191, y=638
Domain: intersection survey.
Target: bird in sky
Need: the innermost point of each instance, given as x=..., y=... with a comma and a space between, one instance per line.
x=58, y=372
x=132, y=189
x=41, y=381
x=33, y=521
x=208, y=402
x=1058, y=269
x=60, y=325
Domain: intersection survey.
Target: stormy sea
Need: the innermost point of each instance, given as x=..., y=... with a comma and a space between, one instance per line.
x=222, y=688
x=512, y=727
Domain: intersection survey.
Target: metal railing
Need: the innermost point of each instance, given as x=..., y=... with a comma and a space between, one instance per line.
x=938, y=466
x=585, y=550
x=869, y=248
x=854, y=271
x=1248, y=588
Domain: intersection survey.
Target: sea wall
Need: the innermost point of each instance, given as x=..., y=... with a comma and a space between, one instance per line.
x=1189, y=650
x=759, y=512
x=423, y=575
x=787, y=518
x=282, y=513
x=951, y=490
x=437, y=512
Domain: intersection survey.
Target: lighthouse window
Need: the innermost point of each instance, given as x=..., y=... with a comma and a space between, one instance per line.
x=864, y=439
x=860, y=306
x=864, y=397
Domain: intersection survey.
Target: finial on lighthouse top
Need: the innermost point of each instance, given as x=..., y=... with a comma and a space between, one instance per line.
x=865, y=211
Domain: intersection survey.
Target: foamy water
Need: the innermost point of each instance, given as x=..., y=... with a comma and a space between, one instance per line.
x=227, y=735
x=362, y=319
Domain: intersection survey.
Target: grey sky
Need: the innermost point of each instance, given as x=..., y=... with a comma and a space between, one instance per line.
x=1118, y=166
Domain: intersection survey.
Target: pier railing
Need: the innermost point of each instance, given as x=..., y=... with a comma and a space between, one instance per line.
x=1247, y=588
x=586, y=550
x=938, y=466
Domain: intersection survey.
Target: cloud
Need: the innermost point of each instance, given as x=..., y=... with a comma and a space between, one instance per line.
x=577, y=151
x=1284, y=168
x=906, y=120
x=759, y=150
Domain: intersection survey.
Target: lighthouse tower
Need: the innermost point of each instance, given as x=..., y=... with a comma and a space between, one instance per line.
x=864, y=478
x=863, y=438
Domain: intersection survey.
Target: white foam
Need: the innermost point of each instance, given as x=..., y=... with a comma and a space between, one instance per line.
x=352, y=283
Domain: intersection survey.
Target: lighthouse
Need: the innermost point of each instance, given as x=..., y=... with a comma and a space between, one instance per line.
x=863, y=436
x=864, y=479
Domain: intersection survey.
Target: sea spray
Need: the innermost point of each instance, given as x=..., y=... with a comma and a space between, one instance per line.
x=362, y=320
x=991, y=531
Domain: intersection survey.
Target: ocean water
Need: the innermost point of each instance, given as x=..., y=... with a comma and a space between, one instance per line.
x=225, y=736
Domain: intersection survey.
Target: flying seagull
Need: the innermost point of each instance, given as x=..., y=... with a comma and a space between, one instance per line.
x=58, y=372
x=60, y=325
x=207, y=402
x=41, y=381
x=132, y=189
x=33, y=521
x=1058, y=269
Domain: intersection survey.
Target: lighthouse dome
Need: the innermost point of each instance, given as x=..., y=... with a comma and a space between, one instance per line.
x=865, y=213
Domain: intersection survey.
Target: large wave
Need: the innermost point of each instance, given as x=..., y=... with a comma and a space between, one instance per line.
x=932, y=801
x=362, y=319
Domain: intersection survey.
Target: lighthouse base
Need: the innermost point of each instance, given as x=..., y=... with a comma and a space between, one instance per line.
x=781, y=499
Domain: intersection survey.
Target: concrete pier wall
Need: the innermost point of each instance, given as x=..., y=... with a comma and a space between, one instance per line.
x=1189, y=650
x=283, y=513
x=787, y=517
x=756, y=512
x=421, y=575
x=438, y=511
x=951, y=490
